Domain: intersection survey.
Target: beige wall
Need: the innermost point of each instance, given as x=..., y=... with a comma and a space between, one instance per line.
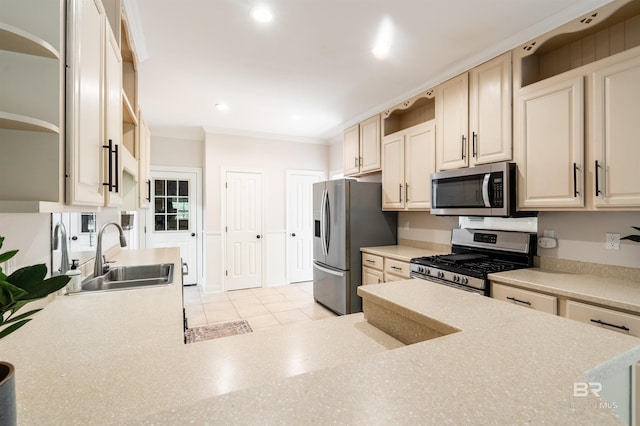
x=29, y=233
x=335, y=156
x=273, y=158
x=176, y=152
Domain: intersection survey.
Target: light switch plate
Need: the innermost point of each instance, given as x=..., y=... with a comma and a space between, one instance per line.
x=612, y=241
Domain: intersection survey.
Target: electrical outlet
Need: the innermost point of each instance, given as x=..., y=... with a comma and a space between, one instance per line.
x=612, y=241
x=549, y=233
x=406, y=224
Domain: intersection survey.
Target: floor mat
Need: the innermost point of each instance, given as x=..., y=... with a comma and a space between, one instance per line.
x=214, y=331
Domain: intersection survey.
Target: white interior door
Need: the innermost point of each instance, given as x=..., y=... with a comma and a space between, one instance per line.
x=172, y=218
x=244, y=239
x=300, y=224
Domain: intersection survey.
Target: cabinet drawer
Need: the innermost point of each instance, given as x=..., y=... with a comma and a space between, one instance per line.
x=603, y=317
x=371, y=276
x=526, y=298
x=393, y=277
x=372, y=261
x=396, y=267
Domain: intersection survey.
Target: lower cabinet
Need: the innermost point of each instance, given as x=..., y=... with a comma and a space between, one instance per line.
x=378, y=269
x=603, y=317
x=526, y=298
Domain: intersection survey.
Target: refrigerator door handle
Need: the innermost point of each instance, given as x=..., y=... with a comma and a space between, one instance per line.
x=323, y=222
x=328, y=271
x=327, y=226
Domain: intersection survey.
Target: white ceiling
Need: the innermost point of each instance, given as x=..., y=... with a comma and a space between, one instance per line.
x=314, y=59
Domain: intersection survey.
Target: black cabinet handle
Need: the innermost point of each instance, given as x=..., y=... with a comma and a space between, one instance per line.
x=575, y=180
x=117, y=169
x=400, y=191
x=519, y=301
x=396, y=268
x=109, y=184
x=619, y=327
x=149, y=190
x=474, y=136
x=596, y=173
x=464, y=142
x=406, y=192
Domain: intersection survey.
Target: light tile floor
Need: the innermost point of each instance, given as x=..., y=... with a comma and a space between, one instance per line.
x=262, y=307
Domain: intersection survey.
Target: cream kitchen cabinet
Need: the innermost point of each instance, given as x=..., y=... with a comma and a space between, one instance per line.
x=574, y=121
x=86, y=103
x=408, y=159
x=361, y=150
x=616, y=103
x=549, y=152
x=490, y=96
x=473, y=113
x=396, y=270
x=525, y=298
x=144, y=174
x=31, y=106
x=603, y=317
x=372, y=269
x=452, y=116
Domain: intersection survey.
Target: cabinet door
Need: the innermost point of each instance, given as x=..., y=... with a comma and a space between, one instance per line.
x=452, y=115
x=393, y=172
x=490, y=111
x=420, y=162
x=113, y=120
x=616, y=126
x=85, y=103
x=370, y=145
x=550, y=144
x=371, y=276
x=351, y=151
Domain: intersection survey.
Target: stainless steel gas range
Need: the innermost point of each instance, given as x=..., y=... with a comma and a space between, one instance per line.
x=474, y=255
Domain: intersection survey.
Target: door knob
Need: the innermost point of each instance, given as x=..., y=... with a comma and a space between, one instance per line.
x=293, y=234
x=258, y=236
x=193, y=234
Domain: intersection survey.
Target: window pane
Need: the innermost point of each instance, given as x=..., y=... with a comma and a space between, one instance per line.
x=184, y=188
x=172, y=187
x=183, y=208
x=183, y=225
x=160, y=207
x=172, y=204
x=172, y=223
x=160, y=222
x=159, y=184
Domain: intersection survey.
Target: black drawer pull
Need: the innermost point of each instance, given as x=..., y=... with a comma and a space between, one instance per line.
x=371, y=261
x=519, y=301
x=396, y=268
x=619, y=327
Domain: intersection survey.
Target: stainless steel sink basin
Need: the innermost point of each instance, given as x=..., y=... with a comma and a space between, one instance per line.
x=128, y=277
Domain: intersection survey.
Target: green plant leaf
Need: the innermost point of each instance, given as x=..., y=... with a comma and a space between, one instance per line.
x=636, y=228
x=8, y=330
x=7, y=255
x=46, y=287
x=27, y=278
x=9, y=294
x=21, y=317
x=635, y=238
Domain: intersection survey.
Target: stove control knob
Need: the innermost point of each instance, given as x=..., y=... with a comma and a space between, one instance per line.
x=427, y=271
x=440, y=274
x=456, y=278
x=464, y=280
x=421, y=269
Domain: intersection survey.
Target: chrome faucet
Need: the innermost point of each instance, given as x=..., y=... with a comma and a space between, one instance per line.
x=64, y=260
x=99, y=266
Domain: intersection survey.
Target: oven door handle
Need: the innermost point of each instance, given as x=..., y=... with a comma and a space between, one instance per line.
x=485, y=190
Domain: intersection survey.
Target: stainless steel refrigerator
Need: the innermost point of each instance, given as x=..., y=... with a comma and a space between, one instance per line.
x=347, y=215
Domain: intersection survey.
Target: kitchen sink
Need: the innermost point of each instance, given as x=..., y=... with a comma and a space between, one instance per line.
x=129, y=277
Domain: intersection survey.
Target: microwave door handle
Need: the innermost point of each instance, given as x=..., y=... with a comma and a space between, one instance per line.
x=485, y=190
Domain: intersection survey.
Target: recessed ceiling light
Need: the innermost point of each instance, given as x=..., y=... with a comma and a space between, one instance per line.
x=222, y=107
x=384, y=38
x=262, y=14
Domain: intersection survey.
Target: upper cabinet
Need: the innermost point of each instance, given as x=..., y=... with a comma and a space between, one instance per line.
x=473, y=114
x=361, y=149
x=576, y=92
x=31, y=106
x=408, y=153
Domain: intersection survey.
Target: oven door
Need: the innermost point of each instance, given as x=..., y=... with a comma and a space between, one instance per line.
x=476, y=191
x=448, y=284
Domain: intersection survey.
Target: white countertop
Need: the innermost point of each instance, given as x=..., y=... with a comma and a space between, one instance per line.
x=399, y=252
x=615, y=293
x=118, y=358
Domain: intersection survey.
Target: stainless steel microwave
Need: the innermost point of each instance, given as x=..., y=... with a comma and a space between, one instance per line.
x=487, y=190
